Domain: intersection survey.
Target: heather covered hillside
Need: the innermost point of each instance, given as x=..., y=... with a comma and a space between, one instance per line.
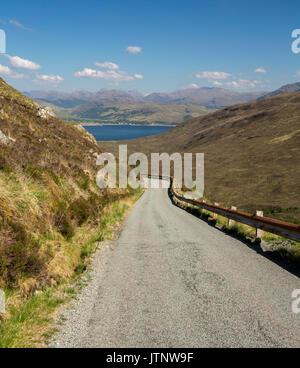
x=49, y=200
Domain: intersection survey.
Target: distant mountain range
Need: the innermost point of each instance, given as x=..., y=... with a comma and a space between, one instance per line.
x=131, y=107
x=211, y=98
x=69, y=100
x=117, y=106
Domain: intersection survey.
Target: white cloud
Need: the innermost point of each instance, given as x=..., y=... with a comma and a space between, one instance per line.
x=110, y=75
x=86, y=72
x=213, y=75
x=217, y=84
x=107, y=65
x=7, y=72
x=260, y=70
x=54, y=79
x=18, y=24
x=134, y=49
x=244, y=84
x=194, y=85
x=18, y=62
x=219, y=79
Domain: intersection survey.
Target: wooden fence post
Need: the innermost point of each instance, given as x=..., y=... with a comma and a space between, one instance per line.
x=215, y=215
x=259, y=232
x=230, y=221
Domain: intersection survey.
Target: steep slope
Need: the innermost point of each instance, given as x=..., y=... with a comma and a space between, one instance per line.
x=252, y=153
x=47, y=193
x=288, y=88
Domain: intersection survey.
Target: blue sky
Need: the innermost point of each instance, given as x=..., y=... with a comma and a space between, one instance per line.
x=241, y=45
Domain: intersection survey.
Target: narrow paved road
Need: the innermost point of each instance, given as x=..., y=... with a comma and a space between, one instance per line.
x=171, y=280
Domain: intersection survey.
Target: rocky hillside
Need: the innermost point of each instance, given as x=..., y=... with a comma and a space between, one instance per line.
x=47, y=192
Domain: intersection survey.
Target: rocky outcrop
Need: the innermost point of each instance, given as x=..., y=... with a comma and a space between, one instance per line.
x=45, y=112
x=4, y=139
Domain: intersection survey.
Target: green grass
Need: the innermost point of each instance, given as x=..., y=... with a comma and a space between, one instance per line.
x=105, y=229
x=16, y=331
x=29, y=321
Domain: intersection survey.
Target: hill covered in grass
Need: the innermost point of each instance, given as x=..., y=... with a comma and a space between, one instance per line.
x=49, y=200
x=140, y=113
x=252, y=154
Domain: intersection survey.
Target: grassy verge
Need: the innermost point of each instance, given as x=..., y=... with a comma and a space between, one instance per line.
x=284, y=249
x=27, y=322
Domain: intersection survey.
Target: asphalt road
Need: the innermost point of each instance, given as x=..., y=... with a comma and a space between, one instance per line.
x=172, y=280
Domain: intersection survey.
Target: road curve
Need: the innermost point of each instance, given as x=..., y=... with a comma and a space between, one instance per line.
x=171, y=280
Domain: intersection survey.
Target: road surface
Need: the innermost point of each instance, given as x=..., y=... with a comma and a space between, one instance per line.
x=172, y=280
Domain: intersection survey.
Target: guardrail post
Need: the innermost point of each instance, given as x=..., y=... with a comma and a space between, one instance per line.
x=230, y=221
x=215, y=215
x=259, y=232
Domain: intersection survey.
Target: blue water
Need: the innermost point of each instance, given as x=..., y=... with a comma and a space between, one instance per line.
x=120, y=132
